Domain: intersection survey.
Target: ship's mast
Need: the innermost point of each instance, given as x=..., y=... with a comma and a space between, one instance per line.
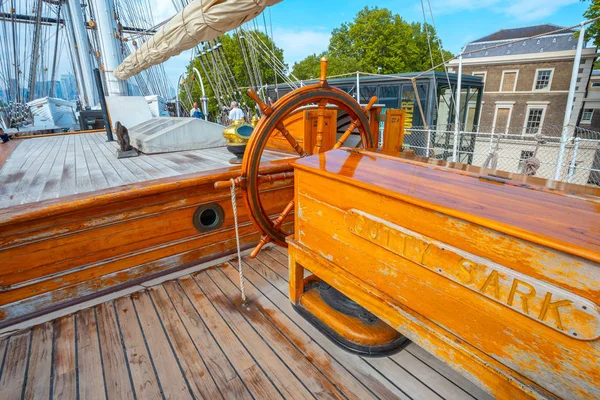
x=109, y=46
x=82, y=55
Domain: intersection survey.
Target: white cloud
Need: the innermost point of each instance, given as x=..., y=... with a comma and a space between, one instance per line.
x=297, y=44
x=518, y=10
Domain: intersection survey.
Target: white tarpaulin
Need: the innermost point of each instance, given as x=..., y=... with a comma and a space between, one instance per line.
x=199, y=21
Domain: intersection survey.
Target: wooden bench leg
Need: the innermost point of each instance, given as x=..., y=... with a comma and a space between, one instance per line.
x=296, y=279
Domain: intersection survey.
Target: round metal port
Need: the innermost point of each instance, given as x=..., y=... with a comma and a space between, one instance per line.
x=208, y=218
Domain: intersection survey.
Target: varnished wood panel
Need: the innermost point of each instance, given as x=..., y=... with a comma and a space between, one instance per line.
x=67, y=249
x=502, y=333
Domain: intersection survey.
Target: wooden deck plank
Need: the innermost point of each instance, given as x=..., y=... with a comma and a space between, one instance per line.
x=65, y=359
x=31, y=191
x=109, y=171
x=52, y=184
x=156, y=164
x=173, y=382
x=111, y=158
x=269, y=283
x=28, y=171
x=221, y=369
x=68, y=180
x=14, y=366
x=310, y=349
x=414, y=374
x=278, y=371
x=245, y=365
x=83, y=179
x=145, y=380
x=89, y=357
x=116, y=371
x=97, y=177
x=198, y=376
x=311, y=376
x=40, y=363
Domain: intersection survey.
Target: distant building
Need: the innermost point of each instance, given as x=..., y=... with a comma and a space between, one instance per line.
x=69, y=87
x=527, y=83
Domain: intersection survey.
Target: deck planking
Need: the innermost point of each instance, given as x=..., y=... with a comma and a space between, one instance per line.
x=56, y=166
x=192, y=338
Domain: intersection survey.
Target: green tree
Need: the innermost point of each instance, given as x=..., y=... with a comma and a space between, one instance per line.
x=232, y=50
x=592, y=31
x=377, y=41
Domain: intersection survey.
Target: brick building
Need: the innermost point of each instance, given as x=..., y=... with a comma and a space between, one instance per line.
x=527, y=83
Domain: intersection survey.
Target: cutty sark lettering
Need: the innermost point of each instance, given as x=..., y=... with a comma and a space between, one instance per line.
x=540, y=301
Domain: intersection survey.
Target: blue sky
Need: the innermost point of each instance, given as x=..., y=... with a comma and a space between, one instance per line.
x=303, y=27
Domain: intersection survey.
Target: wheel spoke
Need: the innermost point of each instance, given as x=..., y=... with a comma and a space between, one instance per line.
x=320, y=126
x=276, y=224
x=346, y=134
x=281, y=128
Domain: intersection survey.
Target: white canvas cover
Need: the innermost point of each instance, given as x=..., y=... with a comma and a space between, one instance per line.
x=199, y=21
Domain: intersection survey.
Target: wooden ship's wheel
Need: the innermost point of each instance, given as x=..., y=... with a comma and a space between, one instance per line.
x=272, y=120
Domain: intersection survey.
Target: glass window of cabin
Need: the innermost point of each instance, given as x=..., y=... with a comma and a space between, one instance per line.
x=408, y=102
x=389, y=96
x=366, y=92
x=543, y=79
x=587, y=115
x=444, y=102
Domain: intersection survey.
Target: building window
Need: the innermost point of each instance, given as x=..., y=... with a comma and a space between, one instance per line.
x=535, y=117
x=482, y=75
x=543, y=78
x=525, y=154
x=509, y=81
x=587, y=115
x=595, y=84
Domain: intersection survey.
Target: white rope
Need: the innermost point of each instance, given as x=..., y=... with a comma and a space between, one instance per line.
x=237, y=240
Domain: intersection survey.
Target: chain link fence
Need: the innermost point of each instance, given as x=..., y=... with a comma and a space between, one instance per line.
x=531, y=153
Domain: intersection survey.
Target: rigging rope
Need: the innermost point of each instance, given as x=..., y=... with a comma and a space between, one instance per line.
x=237, y=241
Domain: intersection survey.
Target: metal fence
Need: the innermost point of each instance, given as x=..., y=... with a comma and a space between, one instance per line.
x=518, y=152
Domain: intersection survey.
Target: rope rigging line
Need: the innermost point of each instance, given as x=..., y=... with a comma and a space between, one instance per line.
x=237, y=241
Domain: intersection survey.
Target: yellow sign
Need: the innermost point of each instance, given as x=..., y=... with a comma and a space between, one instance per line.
x=560, y=310
x=409, y=106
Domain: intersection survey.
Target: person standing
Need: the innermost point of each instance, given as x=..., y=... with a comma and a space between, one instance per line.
x=235, y=114
x=196, y=112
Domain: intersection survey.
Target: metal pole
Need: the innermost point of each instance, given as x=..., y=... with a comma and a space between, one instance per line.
x=428, y=142
x=573, y=161
x=457, y=110
x=570, y=99
x=110, y=46
x=204, y=99
x=82, y=45
x=177, y=98
x=358, y=87
x=107, y=125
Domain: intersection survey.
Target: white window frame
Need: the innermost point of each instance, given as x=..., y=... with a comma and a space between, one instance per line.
x=587, y=121
x=595, y=84
x=484, y=73
x=503, y=104
x=530, y=105
x=502, y=80
x=546, y=89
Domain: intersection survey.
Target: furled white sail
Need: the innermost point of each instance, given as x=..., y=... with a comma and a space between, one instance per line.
x=199, y=21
